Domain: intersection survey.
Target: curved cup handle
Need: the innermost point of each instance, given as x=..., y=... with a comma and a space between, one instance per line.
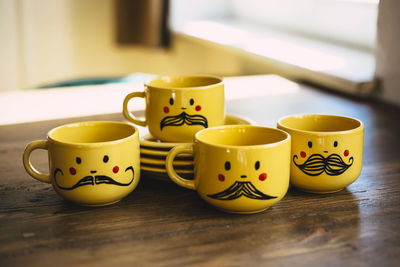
x=128, y=115
x=188, y=148
x=40, y=144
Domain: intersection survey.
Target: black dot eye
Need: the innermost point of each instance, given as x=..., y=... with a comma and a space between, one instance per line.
x=191, y=101
x=171, y=101
x=257, y=165
x=227, y=165
x=309, y=144
x=78, y=160
x=105, y=159
x=335, y=144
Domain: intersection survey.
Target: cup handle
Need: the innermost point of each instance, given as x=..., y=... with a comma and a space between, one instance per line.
x=40, y=144
x=128, y=115
x=170, y=167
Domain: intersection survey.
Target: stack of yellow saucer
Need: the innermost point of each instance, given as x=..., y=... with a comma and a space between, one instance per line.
x=154, y=152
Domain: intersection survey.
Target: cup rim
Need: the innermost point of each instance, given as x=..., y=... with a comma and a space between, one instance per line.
x=160, y=77
x=52, y=139
x=284, y=127
x=242, y=147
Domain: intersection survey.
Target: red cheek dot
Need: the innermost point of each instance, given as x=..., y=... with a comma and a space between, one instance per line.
x=262, y=176
x=303, y=154
x=198, y=108
x=221, y=177
x=346, y=153
x=166, y=109
x=115, y=169
x=72, y=171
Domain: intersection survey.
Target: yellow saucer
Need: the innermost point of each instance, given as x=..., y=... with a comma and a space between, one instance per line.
x=162, y=162
x=185, y=157
x=156, y=152
x=160, y=176
x=159, y=170
x=147, y=141
x=153, y=154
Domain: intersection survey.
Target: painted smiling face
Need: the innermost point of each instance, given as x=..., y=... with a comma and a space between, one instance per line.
x=94, y=178
x=327, y=151
x=325, y=164
x=188, y=114
x=329, y=162
x=176, y=114
x=242, y=187
x=243, y=182
x=237, y=168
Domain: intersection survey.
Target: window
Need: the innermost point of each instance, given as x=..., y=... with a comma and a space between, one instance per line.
x=348, y=22
x=329, y=42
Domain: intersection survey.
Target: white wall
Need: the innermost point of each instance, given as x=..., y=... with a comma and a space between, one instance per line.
x=9, y=49
x=46, y=41
x=388, y=50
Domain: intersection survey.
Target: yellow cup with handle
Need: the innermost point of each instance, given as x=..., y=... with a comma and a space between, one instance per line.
x=94, y=163
x=179, y=106
x=327, y=151
x=237, y=168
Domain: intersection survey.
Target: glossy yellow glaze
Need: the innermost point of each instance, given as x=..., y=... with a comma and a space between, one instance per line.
x=162, y=170
x=177, y=162
x=238, y=169
x=149, y=141
x=179, y=106
x=327, y=151
x=91, y=163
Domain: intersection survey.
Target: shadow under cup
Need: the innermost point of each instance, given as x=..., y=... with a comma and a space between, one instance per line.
x=327, y=151
x=237, y=168
x=90, y=163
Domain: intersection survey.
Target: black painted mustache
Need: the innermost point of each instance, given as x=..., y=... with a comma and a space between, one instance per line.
x=239, y=189
x=316, y=164
x=92, y=180
x=184, y=118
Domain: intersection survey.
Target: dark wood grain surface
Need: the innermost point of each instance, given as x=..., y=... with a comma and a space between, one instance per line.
x=163, y=224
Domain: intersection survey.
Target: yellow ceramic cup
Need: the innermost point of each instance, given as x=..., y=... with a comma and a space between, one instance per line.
x=327, y=151
x=93, y=163
x=179, y=106
x=237, y=168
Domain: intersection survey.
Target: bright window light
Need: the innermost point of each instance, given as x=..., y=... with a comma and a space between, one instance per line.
x=327, y=42
x=347, y=22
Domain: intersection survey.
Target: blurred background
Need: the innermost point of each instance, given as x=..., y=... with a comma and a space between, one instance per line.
x=345, y=45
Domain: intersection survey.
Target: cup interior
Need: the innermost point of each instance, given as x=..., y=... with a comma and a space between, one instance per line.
x=92, y=132
x=319, y=123
x=174, y=82
x=241, y=135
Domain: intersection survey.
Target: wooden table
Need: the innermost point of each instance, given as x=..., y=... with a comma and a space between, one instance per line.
x=163, y=224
